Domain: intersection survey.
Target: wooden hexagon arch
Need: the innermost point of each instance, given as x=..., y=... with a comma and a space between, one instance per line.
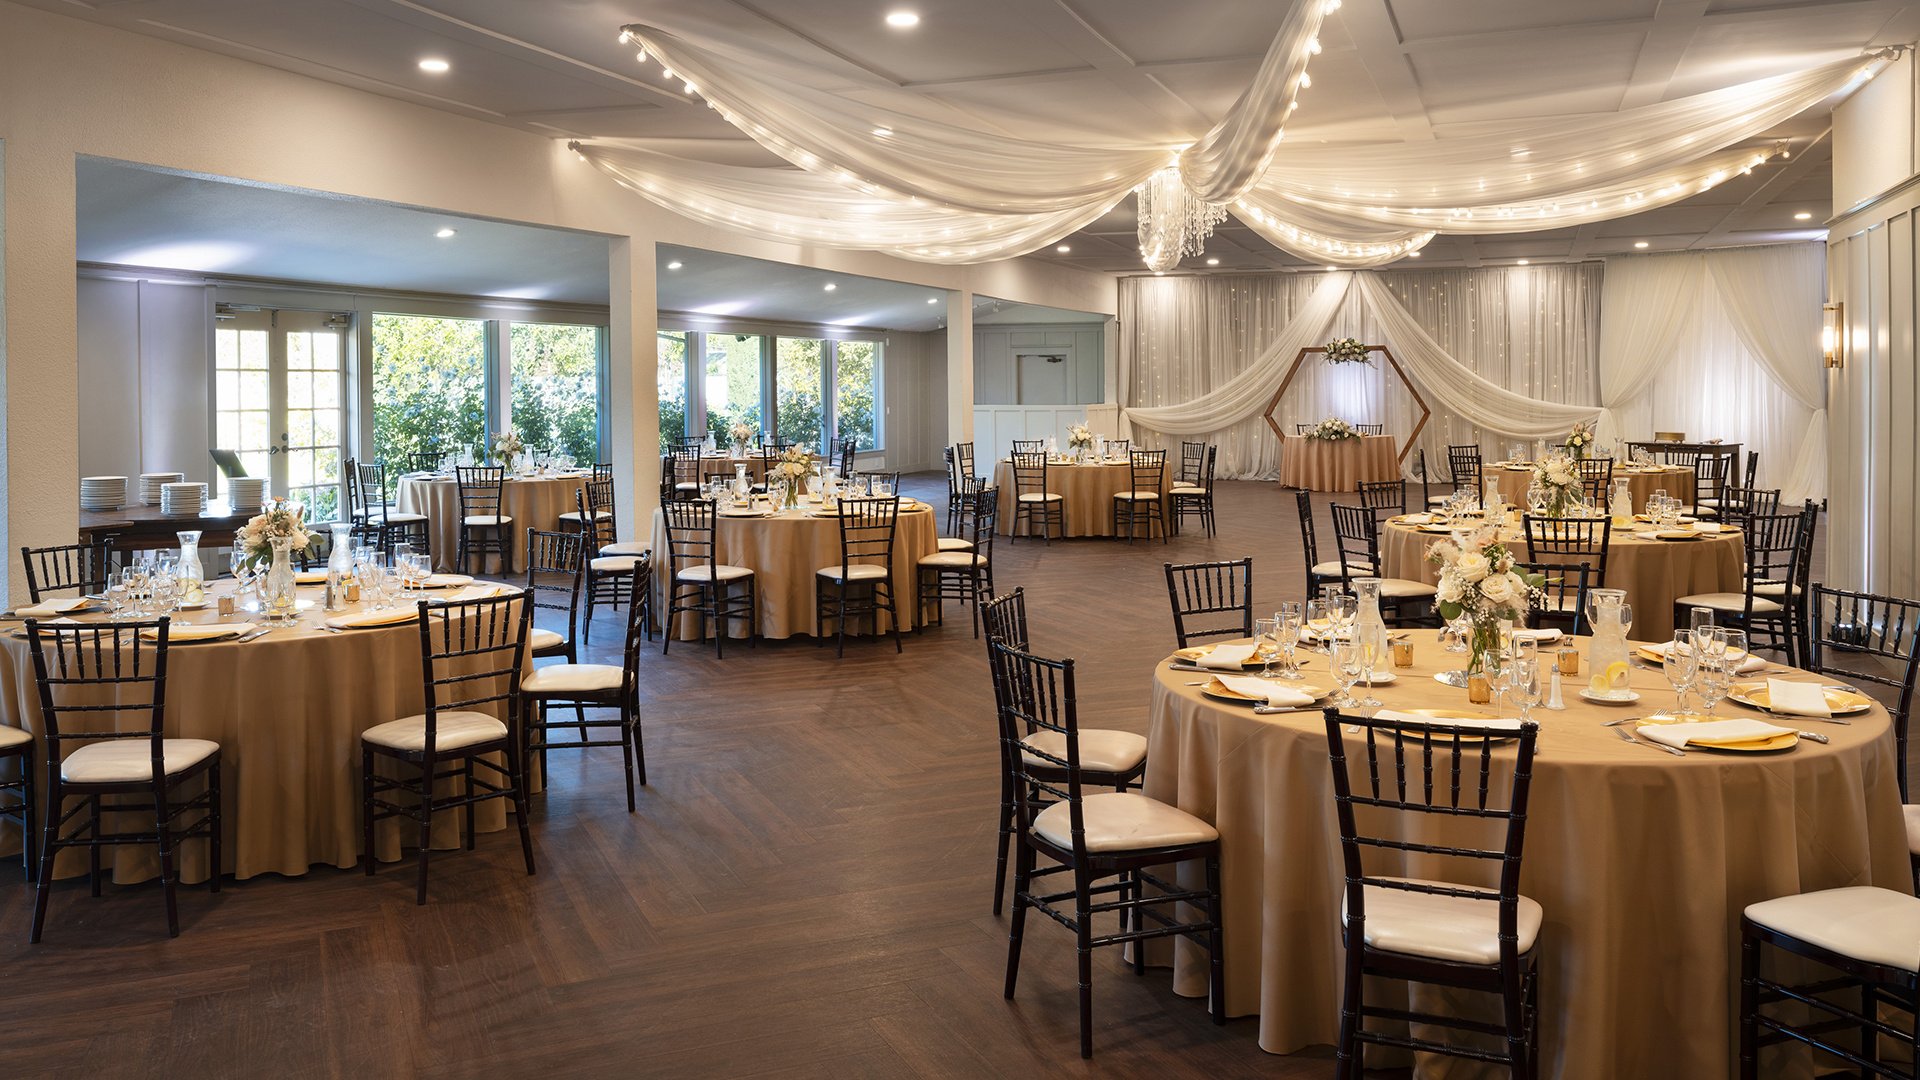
x=1406, y=447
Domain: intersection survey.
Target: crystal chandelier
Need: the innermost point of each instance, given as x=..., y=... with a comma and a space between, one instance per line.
x=1173, y=224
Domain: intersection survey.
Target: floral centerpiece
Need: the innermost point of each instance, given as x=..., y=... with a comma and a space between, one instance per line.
x=1079, y=438
x=253, y=544
x=742, y=435
x=1556, y=484
x=1580, y=440
x=1478, y=583
x=507, y=446
x=794, y=465
x=1332, y=429
x=1346, y=350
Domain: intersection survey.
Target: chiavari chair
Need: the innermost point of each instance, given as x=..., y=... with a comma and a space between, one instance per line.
x=699, y=583
x=16, y=748
x=615, y=571
x=1356, y=530
x=1197, y=501
x=1565, y=540
x=1318, y=573
x=1562, y=602
x=1383, y=495
x=1371, y=429
x=964, y=574
x=381, y=522
x=1032, y=502
x=861, y=583
x=1141, y=502
x=1029, y=446
x=1773, y=556
x=1211, y=589
x=1463, y=461
x=483, y=518
x=80, y=569
x=597, y=687
x=1596, y=476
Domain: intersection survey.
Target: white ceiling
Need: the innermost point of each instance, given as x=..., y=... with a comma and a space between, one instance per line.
x=737, y=288
x=1090, y=69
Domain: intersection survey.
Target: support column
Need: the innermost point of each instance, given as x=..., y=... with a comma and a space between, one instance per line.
x=39, y=381
x=959, y=366
x=633, y=387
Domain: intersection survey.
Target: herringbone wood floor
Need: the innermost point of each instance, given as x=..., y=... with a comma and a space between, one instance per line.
x=804, y=890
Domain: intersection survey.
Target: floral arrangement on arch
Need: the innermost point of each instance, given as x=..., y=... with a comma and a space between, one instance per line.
x=254, y=540
x=1580, y=439
x=1556, y=479
x=1478, y=583
x=1346, y=350
x=1079, y=437
x=1332, y=429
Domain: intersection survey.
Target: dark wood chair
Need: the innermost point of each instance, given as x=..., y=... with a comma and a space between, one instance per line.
x=103, y=710
x=840, y=451
x=79, y=569
x=602, y=470
x=861, y=583
x=1403, y=601
x=1863, y=936
x=382, y=524
x=1428, y=500
x=1596, y=476
x=1197, y=501
x=699, y=583
x=1193, y=463
x=1463, y=461
x=421, y=461
x=1371, y=429
x=965, y=574
x=1563, y=541
x=1427, y=931
x=1211, y=589
x=471, y=655
x=616, y=572
x=597, y=687
x=1029, y=446
x=961, y=485
x=1773, y=556
x=1738, y=503
x=680, y=473
x=1141, y=502
x=484, y=523
x=1863, y=628
x=1713, y=470
x=1105, y=842
x=17, y=804
x=556, y=567
x=1319, y=573
x=1562, y=603
x=1032, y=502
x=1383, y=495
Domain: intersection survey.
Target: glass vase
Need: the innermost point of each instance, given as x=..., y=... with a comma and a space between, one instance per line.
x=276, y=588
x=1483, y=646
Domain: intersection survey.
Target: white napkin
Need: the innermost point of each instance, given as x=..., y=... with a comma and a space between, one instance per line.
x=474, y=592
x=1797, y=698
x=1274, y=693
x=52, y=608
x=1226, y=657
x=1499, y=724
x=1710, y=732
x=1540, y=637
x=1706, y=526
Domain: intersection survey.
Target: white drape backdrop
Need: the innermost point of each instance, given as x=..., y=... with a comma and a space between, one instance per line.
x=1529, y=330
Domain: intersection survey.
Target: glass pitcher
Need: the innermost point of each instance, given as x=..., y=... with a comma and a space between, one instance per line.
x=1620, y=504
x=1369, y=630
x=1605, y=618
x=339, y=565
x=189, y=579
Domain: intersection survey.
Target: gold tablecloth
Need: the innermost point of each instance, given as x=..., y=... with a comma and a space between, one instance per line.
x=784, y=552
x=532, y=502
x=287, y=711
x=1642, y=862
x=1339, y=465
x=1676, y=480
x=1086, y=492
x=1655, y=573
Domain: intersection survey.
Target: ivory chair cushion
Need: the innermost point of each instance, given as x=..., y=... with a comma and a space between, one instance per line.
x=125, y=761
x=953, y=543
x=1451, y=928
x=486, y=519
x=1138, y=496
x=11, y=737
x=1123, y=821
x=1730, y=601
x=1331, y=568
x=540, y=640
x=614, y=564
x=953, y=559
x=575, y=515
x=858, y=571
x=1402, y=589
x=1182, y=485
x=1776, y=588
x=1913, y=827
x=723, y=572
x=452, y=730
x=395, y=517
x=1100, y=750
x=626, y=547
x=1878, y=926
x=1035, y=496
x=573, y=678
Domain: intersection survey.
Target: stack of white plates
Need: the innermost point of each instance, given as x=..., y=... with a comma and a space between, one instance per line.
x=183, y=500
x=150, y=483
x=247, y=493
x=103, y=492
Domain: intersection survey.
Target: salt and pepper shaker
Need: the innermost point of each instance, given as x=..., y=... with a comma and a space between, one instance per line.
x=1554, y=701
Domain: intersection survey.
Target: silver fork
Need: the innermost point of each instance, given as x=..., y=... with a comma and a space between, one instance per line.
x=1674, y=750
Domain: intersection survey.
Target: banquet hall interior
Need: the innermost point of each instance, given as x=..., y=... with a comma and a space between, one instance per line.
x=1323, y=538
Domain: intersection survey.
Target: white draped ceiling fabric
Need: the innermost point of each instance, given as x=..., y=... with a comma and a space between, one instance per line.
x=871, y=171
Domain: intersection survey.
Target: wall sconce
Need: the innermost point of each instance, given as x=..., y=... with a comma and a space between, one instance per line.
x=1833, y=333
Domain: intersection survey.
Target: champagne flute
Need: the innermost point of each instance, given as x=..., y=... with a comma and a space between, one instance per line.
x=1680, y=666
x=1287, y=633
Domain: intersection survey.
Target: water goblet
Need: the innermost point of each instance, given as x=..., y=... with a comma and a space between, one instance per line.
x=1680, y=665
x=116, y=597
x=1346, y=607
x=1319, y=624
x=1346, y=670
x=1522, y=678
x=1287, y=635
x=1266, y=646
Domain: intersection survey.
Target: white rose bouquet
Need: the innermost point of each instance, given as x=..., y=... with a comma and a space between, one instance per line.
x=1478, y=583
x=1079, y=437
x=1556, y=480
x=1332, y=429
x=1580, y=440
x=507, y=446
x=794, y=465
x=253, y=544
x=741, y=433
x=1346, y=350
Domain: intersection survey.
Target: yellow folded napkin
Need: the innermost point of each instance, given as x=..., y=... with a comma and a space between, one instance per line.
x=475, y=592
x=1735, y=733
x=360, y=619
x=1797, y=698
x=1269, y=691
x=48, y=609
x=310, y=577
x=1488, y=723
x=1221, y=657
x=62, y=623
x=199, y=631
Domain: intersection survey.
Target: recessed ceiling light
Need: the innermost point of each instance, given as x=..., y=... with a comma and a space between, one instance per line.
x=1639, y=243
x=1213, y=262
x=1413, y=254
x=674, y=265
x=933, y=299
x=1522, y=262
x=1159, y=273
x=1331, y=268
x=1063, y=249
x=444, y=233
x=830, y=286
x=900, y=20
x=433, y=65
x=1802, y=216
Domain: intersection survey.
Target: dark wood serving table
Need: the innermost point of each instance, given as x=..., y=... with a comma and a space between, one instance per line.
x=138, y=526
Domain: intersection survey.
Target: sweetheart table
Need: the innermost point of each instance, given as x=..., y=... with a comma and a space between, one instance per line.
x=1337, y=464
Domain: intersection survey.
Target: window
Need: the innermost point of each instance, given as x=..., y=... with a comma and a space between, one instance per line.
x=673, y=388
x=800, y=408
x=429, y=386
x=732, y=383
x=278, y=401
x=556, y=388
x=856, y=392
x=243, y=403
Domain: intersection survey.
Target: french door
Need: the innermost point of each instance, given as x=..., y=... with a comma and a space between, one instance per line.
x=280, y=401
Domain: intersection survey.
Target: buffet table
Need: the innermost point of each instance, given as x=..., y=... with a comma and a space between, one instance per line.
x=1337, y=464
x=1642, y=862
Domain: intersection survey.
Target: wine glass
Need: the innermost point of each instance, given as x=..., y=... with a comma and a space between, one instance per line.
x=1345, y=606
x=1287, y=634
x=1521, y=674
x=1266, y=646
x=136, y=577
x=116, y=597
x=1319, y=625
x=1680, y=664
x=1346, y=670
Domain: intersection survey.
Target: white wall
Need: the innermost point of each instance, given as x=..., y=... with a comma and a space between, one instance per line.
x=69, y=88
x=144, y=349
x=1874, y=136
x=915, y=384
x=996, y=378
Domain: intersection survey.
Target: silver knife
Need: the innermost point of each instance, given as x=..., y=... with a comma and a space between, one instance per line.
x=1814, y=735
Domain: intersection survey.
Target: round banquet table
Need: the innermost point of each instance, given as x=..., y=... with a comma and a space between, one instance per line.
x=287, y=710
x=1675, y=480
x=534, y=502
x=1642, y=862
x=1654, y=573
x=1086, y=491
x=1337, y=465
x=784, y=551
